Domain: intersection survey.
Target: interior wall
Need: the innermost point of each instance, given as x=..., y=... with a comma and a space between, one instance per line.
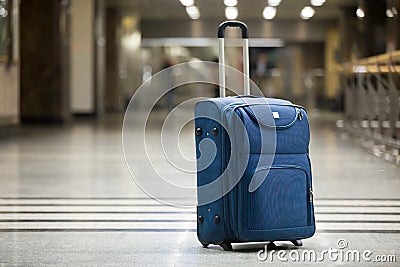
x=331, y=61
x=82, y=56
x=9, y=94
x=9, y=74
x=100, y=55
x=130, y=58
x=45, y=61
x=113, y=95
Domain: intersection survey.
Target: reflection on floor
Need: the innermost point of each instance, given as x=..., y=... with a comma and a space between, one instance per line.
x=66, y=197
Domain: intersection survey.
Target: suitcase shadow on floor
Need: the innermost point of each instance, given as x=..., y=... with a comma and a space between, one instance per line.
x=255, y=247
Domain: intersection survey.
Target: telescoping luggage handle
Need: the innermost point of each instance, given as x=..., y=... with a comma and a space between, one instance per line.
x=221, y=38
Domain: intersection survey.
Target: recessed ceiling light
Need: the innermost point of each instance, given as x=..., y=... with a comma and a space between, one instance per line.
x=187, y=2
x=193, y=12
x=230, y=2
x=360, y=13
x=231, y=12
x=274, y=2
x=307, y=12
x=389, y=13
x=195, y=16
x=269, y=12
x=317, y=2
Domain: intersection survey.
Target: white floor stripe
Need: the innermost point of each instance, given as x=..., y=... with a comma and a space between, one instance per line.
x=357, y=209
x=92, y=209
x=171, y=209
x=149, y=201
x=358, y=202
x=359, y=226
x=352, y=217
x=35, y=216
x=86, y=202
x=177, y=225
x=152, y=216
x=92, y=225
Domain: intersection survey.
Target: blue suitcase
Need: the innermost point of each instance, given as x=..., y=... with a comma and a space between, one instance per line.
x=254, y=179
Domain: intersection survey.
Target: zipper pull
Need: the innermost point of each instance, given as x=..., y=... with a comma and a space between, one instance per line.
x=311, y=195
x=299, y=114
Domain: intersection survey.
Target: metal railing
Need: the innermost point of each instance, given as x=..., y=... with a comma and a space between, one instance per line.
x=372, y=105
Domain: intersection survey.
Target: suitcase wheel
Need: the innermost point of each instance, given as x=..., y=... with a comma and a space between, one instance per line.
x=271, y=246
x=205, y=244
x=297, y=243
x=226, y=246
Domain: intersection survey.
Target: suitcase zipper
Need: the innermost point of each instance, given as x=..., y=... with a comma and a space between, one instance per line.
x=228, y=195
x=241, y=104
x=230, y=209
x=299, y=114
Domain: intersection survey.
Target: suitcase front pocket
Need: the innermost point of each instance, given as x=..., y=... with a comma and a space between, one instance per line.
x=282, y=200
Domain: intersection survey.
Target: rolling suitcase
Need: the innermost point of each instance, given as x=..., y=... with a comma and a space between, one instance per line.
x=254, y=179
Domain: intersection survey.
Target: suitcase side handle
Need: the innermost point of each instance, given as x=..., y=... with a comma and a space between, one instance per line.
x=246, y=67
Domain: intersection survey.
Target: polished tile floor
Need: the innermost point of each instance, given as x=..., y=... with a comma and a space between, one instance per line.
x=67, y=198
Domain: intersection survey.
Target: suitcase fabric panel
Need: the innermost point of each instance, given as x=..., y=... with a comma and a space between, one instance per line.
x=294, y=139
x=282, y=201
x=207, y=229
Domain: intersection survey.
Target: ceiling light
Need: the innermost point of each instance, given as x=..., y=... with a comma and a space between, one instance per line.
x=230, y=2
x=195, y=16
x=187, y=2
x=389, y=13
x=269, y=12
x=317, y=2
x=360, y=13
x=3, y=12
x=307, y=12
x=193, y=12
x=360, y=69
x=231, y=12
x=394, y=11
x=131, y=41
x=274, y=2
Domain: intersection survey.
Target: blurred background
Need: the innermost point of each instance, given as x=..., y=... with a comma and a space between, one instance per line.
x=65, y=59
x=68, y=69
x=59, y=59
